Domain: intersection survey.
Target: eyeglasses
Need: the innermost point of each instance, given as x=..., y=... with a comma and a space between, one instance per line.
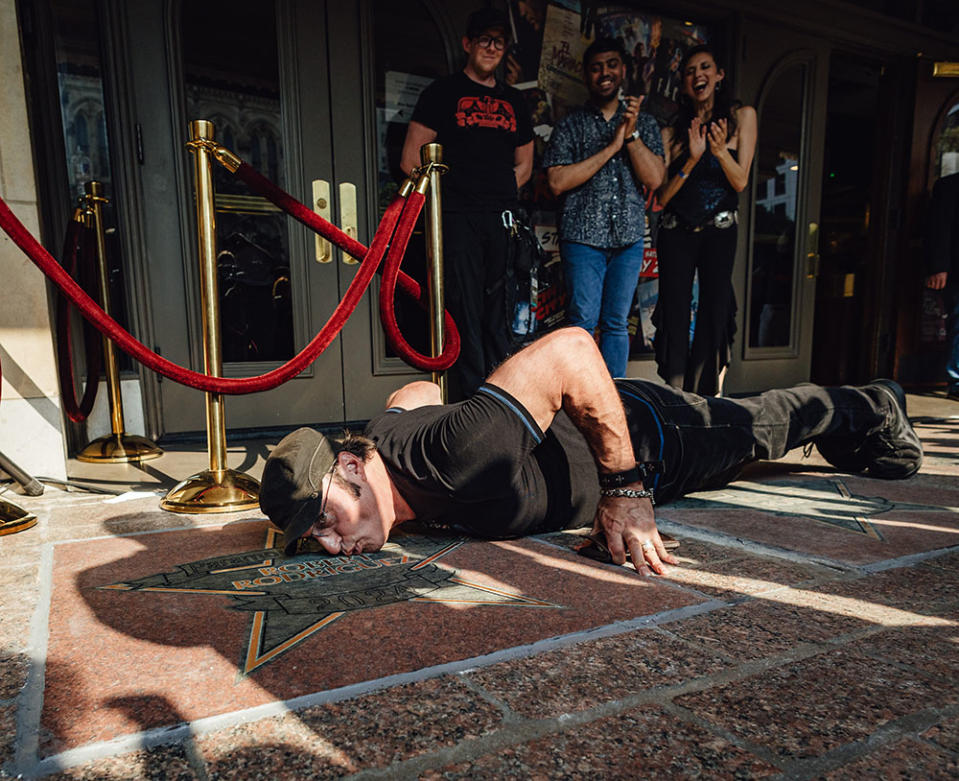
x=487, y=41
x=326, y=495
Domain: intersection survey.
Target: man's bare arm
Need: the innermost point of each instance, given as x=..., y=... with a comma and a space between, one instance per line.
x=523, y=163
x=565, y=371
x=565, y=177
x=646, y=164
x=420, y=393
x=417, y=134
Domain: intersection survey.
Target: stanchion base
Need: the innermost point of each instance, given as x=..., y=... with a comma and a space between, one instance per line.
x=224, y=491
x=118, y=449
x=14, y=519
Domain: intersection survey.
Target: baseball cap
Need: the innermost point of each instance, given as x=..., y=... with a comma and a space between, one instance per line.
x=291, y=491
x=486, y=19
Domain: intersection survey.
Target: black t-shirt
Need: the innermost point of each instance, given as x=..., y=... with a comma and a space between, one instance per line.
x=479, y=128
x=484, y=465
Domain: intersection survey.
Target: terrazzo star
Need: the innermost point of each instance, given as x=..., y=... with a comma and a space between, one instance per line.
x=550, y=441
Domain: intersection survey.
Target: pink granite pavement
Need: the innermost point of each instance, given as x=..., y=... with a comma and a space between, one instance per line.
x=811, y=631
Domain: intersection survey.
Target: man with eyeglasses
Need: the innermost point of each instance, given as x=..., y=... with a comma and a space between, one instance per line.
x=550, y=442
x=487, y=137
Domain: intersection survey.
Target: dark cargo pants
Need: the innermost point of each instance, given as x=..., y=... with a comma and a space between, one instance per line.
x=703, y=442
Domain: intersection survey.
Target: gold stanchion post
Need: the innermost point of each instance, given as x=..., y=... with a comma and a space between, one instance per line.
x=217, y=489
x=118, y=446
x=431, y=156
x=14, y=519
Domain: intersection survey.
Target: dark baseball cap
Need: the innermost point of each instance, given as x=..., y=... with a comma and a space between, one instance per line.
x=486, y=19
x=291, y=491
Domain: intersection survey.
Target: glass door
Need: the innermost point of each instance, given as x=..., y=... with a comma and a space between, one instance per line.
x=782, y=74
x=382, y=55
x=288, y=86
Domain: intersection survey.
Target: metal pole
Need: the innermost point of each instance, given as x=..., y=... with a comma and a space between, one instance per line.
x=119, y=447
x=218, y=489
x=431, y=155
x=14, y=518
x=94, y=191
x=30, y=485
x=202, y=130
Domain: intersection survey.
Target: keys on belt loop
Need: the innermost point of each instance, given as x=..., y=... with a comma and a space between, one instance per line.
x=508, y=222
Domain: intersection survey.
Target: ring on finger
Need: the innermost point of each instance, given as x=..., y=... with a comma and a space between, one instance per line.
x=647, y=545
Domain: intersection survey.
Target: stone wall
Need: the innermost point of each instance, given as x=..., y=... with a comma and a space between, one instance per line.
x=31, y=423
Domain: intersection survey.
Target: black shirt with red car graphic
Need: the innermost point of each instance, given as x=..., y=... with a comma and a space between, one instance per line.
x=479, y=128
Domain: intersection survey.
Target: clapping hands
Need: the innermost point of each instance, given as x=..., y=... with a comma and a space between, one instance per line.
x=717, y=137
x=697, y=138
x=701, y=133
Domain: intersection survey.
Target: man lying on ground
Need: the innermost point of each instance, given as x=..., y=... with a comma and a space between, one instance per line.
x=551, y=442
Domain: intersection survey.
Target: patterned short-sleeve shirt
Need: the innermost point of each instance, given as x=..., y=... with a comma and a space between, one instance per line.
x=608, y=209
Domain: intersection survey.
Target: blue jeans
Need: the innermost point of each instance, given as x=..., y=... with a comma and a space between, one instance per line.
x=601, y=283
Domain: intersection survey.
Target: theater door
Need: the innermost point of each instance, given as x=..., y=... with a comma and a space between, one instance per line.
x=783, y=74
x=290, y=86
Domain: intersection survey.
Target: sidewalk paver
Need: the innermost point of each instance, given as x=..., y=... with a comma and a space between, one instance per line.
x=811, y=631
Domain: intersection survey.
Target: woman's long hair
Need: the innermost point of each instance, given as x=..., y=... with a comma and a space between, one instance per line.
x=723, y=104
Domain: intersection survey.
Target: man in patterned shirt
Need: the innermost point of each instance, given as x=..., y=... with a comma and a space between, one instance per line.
x=597, y=159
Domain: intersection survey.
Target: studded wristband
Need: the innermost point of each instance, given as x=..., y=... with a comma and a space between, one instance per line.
x=627, y=493
x=617, y=479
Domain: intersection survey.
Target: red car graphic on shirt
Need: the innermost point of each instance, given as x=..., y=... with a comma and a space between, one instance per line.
x=485, y=112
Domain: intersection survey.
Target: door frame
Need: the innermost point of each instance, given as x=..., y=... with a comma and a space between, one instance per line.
x=759, y=368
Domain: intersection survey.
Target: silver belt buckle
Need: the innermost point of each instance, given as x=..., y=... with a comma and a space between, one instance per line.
x=725, y=219
x=668, y=221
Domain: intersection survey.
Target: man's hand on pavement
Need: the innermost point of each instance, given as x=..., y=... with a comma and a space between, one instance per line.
x=630, y=524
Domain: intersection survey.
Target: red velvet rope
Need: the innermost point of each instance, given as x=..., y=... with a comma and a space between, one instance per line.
x=260, y=184
x=78, y=242
x=111, y=328
x=392, y=274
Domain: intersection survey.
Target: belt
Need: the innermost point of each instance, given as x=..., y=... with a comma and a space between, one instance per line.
x=720, y=220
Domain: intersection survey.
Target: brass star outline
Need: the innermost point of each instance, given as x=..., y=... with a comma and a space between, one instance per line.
x=293, y=598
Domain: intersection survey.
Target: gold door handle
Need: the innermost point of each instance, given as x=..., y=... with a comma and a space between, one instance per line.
x=812, y=251
x=321, y=205
x=348, y=221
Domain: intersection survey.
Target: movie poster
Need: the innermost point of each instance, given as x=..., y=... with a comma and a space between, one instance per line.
x=656, y=47
x=561, y=60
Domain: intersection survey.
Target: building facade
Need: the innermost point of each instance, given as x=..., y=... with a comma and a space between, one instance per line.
x=854, y=127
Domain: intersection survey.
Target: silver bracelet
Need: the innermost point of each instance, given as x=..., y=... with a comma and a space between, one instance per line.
x=627, y=493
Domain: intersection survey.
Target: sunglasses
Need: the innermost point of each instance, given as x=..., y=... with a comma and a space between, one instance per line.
x=307, y=543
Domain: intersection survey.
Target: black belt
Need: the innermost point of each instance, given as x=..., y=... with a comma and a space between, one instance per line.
x=721, y=220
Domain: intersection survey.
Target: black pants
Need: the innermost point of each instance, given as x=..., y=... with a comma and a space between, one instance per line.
x=474, y=259
x=704, y=442
x=681, y=253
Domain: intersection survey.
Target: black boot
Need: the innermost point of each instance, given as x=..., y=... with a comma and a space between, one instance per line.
x=892, y=452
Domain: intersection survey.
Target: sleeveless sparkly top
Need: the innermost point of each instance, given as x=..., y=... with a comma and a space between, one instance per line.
x=705, y=192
